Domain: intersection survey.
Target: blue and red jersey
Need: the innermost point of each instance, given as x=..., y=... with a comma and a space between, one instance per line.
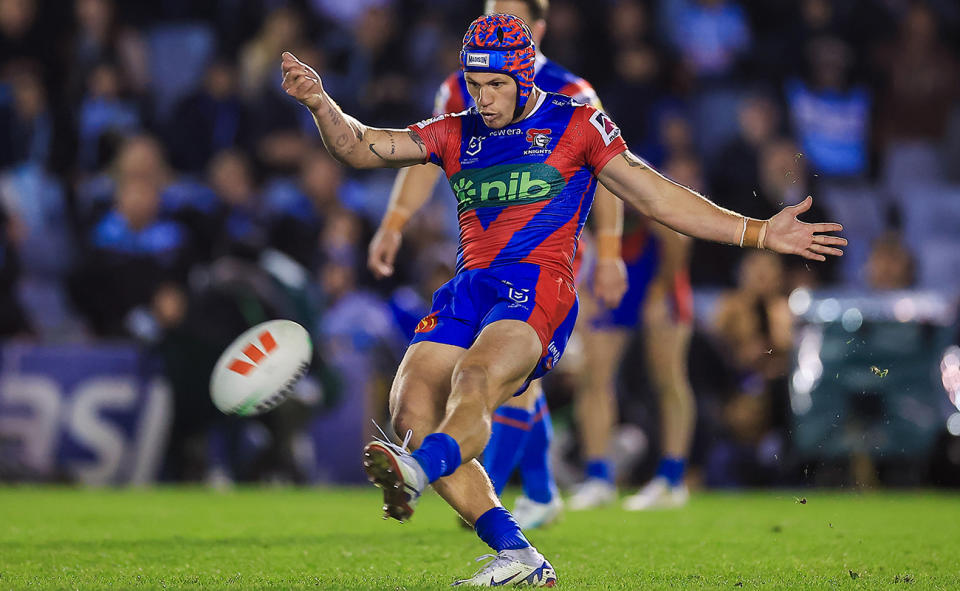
x=523, y=191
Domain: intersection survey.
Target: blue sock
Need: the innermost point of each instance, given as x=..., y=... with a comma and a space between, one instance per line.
x=500, y=531
x=672, y=469
x=508, y=438
x=439, y=455
x=600, y=468
x=538, y=483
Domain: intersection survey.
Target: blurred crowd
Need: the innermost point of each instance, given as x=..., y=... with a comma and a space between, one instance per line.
x=156, y=184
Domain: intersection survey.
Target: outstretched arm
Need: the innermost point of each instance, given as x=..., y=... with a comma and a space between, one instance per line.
x=348, y=140
x=690, y=213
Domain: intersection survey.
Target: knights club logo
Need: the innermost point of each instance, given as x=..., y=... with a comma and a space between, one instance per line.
x=427, y=324
x=254, y=354
x=539, y=138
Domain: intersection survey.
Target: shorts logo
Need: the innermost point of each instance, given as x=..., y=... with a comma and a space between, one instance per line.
x=478, y=60
x=473, y=148
x=520, y=296
x=538, y=138
x=428, y=323
x=608, y=129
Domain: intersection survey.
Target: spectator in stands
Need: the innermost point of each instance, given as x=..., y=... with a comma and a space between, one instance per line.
x=711, y=35
x=753, y=326
x=104, y=110
x=734, y=174
x=26, y=125
x=242, y=231
x=891, y=265
x=13, y=320
x=922, y=80
x=133, y=261
x=281, y=30
x=634, y=95
x=298, y=210
x=208, y=120
x=831, y=117
x=101, y=38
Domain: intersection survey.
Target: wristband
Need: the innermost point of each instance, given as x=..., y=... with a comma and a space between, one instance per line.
x=395, y=219
x=608, y=246
x=754, y=233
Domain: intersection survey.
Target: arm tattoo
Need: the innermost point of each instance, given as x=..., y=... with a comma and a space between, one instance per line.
x=417, y=140
x=632, y=160
x=375, y=153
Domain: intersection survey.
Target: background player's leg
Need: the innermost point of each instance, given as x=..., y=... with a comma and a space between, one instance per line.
x=667, y=345
x=596, y=409
x=540, y=503
x=509, y=433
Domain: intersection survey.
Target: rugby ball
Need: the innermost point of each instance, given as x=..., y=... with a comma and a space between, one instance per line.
x=260, y=368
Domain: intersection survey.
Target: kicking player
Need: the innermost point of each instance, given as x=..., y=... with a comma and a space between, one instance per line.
x=505, y=317
x=521, y=429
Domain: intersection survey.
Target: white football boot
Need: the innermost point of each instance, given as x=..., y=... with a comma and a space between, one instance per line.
x=513, y=568
x=531, y=514
x=595, y=492
x=657, y=494
x=397, y=473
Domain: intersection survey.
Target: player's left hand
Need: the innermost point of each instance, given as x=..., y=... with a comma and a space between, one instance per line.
x=788, y=235
x=610, y=281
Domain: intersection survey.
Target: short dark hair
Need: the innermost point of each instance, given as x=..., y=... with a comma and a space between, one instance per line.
x=538, y=8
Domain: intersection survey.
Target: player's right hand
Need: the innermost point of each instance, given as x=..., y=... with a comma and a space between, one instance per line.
x=301, y=81
x=383, y=252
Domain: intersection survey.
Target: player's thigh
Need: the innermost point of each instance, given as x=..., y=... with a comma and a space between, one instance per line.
x=527, y=400
x=502, y=358
x=421, y=387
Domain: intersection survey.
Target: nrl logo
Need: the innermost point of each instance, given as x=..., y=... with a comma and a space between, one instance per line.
x=473, y=148
x=538, y=138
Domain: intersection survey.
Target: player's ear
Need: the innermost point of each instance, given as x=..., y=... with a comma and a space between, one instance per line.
x=538, y=30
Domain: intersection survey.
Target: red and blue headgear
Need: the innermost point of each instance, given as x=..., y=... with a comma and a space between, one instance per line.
x=503, y=44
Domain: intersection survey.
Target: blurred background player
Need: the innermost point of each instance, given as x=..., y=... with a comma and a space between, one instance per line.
x=659, y=298
x=522, y=430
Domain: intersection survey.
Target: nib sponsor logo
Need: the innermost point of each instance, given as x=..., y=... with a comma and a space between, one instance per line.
x=254, y=354
x=509, y=184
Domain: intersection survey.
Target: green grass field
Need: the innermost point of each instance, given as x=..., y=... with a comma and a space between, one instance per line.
x=335, y=539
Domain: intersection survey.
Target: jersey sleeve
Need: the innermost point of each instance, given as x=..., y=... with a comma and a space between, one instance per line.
x=449, y=97
x=440, y=136
x=601, y=137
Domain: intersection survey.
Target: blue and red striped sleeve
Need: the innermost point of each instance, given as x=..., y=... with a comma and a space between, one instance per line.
x=601, y=138
x=441, y=137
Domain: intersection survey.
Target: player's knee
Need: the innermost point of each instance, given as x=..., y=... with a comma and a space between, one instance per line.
x=414, y=416
x=472, y=379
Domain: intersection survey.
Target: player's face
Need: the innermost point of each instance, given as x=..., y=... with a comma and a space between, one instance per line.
x=495, y=95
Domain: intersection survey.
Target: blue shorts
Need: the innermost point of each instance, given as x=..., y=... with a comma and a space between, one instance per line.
x=641, y=271
x=475, y=298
